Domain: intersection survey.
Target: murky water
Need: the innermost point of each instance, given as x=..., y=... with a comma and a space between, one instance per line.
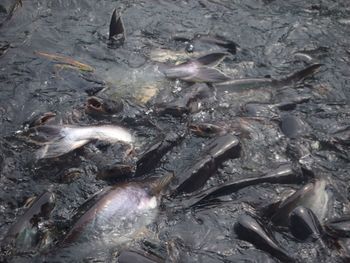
x=275, y=38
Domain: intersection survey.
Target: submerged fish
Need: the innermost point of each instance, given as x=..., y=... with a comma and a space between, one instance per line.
x=24, y=232
x=112, y=218
x=245, y=83
x=59, y=140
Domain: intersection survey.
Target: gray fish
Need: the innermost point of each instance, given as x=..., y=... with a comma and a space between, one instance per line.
x=338, y=227
x=113, y=218
x=313, y=196
x=304, y=224
x=198, y=70
x=23, y=233
x=249, y=229
x=251, y=83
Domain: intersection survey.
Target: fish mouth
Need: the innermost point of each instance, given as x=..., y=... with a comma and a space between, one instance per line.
x=93, y=104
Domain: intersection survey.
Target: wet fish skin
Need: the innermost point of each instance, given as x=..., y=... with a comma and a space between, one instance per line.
x=116, y=28
x=40, y=209
x=59, y=140
x=251, y=83
x=98, y=107
x=112, y=218
x=128, y=256
x=151, y=157
x=198, y=70
x=206, y=129
x=304, y=224
x=338, y=227
x=284, y=174
x=313, y=195
x=195, y=176
x=250, y=229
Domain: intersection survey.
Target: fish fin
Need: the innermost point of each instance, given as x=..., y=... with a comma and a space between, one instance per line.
x=211, y=59
x=160, y=183
x=58, y=148
x=116, y=27
x=208, y=75
x=300, y=75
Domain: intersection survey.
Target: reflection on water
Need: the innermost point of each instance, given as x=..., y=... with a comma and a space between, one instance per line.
x=56, y=54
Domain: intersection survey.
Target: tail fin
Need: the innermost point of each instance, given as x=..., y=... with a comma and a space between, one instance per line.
x=58, y=148
x=300, y=75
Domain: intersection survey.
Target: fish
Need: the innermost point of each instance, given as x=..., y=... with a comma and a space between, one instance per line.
x=251, y=83
x=338, y=227
x=116, y=28
x=128, y=256
x=200, y=69
x=252, y=230
x=24, y=233
x=59, y=140
x=304, y=225
x=103, y=107
x=213, y=155
x=313, y=196
x=284, y=174
x=112, y=218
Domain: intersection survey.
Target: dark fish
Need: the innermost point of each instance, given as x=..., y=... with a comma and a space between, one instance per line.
x=198, y=70
x=250, y=229
x=293, y=126
x=285, y=174
x=128, y=256
x=112, y=218
x=188, y=102
x=4, y=46
x=11, y=10
x=103, y=107
x=116, y=28
x=116, y=172
x=219, y=150
x=339, y=227
x=251, y=83
x=206, y=129
x=22, y=233
x=151, y=157
x=304, y=225
x=313, y=196
x=40, y=119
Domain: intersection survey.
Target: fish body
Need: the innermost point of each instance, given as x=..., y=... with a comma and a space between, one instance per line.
x=112, y=219
x=313, y=196
x=59, y=140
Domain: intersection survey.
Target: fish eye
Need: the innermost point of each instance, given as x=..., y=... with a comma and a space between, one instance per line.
x=189, y=48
